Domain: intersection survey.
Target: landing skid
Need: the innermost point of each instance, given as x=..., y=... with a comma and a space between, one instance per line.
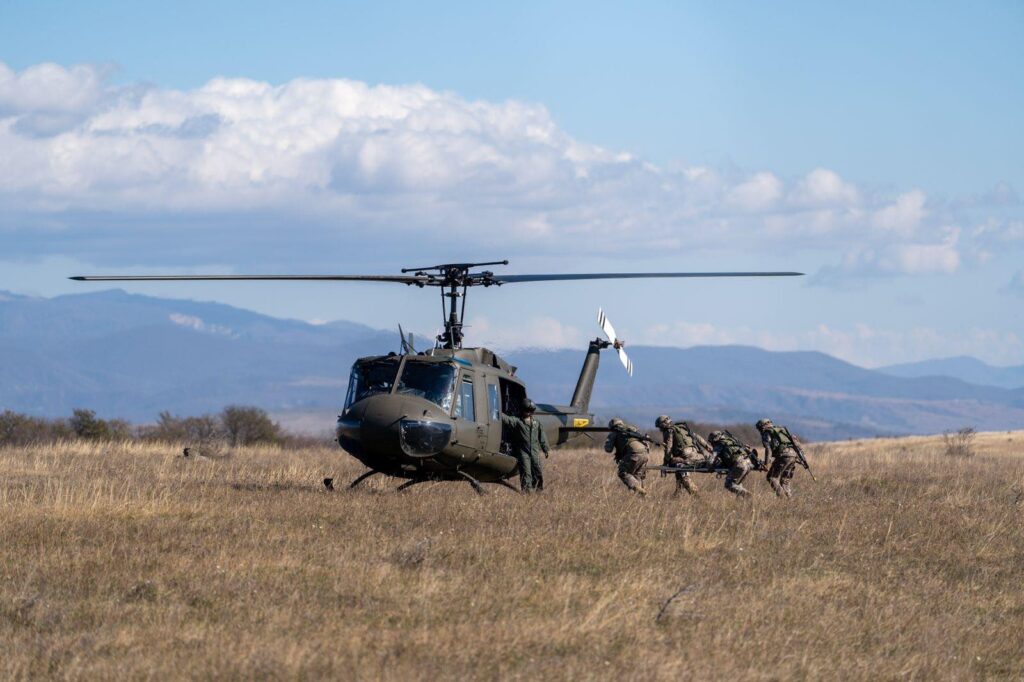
x=478, y=488
x=411, y=482
x=509, y=486
x=362, y=478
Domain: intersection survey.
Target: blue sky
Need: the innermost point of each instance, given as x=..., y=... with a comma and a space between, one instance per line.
x=877, y=146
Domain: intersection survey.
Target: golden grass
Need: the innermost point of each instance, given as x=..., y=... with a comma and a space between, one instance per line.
x=128, y=561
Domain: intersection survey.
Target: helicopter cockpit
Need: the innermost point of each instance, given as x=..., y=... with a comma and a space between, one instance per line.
x=430, y=380
x=371, y=377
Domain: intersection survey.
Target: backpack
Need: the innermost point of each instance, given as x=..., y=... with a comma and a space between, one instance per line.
x=682, y=438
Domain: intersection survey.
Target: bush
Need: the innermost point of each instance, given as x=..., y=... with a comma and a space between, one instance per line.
x=21, y=429
x=961, y=443
x=249, y=426
x=199, y=430
x=87, y=426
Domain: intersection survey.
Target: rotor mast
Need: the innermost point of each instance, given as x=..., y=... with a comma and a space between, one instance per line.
x=450, y=278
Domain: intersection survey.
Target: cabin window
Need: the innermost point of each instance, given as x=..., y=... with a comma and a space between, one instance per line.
x=494, y=402
x=431, y=380
x=464, y=406
x=370, y=378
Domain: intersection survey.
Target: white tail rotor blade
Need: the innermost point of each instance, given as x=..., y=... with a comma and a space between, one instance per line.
x=626, y=362
x=609, y=331
x=606, y=326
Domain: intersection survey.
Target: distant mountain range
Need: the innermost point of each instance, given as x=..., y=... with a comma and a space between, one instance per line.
x=131, y=356
x=968, y=369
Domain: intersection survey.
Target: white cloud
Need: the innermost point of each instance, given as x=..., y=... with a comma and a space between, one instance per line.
x=199, y=325
x=338, y=160
x=823, y=187
x=914, y=258
x=904, y=215
x=761, y=191
x=537, y=332
x=49, y=88
x=692, y=334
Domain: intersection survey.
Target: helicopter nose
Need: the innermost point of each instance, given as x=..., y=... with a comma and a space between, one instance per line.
x=369, y=427
x=348, y=428
x=393, y=428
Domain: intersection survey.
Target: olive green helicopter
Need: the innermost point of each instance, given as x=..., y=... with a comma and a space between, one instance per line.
x=435, y=415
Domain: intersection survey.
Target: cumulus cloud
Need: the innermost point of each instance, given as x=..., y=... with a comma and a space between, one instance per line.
x=538, y=332
x=758, y=193
x=902, y=216
x=115, y=172
x=822, y=187
x=50, y=88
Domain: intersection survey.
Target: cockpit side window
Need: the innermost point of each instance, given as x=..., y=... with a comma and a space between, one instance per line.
x=493, y=402
x=370, y=378
x=431, y=380
x=464, y=405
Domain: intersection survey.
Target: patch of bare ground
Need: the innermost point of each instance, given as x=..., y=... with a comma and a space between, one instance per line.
x=132, y=562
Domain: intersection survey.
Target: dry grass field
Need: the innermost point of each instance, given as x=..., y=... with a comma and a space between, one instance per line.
x=126, y=562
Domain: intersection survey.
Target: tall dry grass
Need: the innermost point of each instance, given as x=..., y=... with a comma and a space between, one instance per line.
x=129, y=561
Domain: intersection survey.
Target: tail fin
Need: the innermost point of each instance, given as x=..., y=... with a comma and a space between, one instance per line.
x=585, y=384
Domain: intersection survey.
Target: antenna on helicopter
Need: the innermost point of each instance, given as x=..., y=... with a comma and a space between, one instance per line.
x=407, y=344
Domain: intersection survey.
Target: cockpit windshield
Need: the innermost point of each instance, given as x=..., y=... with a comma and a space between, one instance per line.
x=370, y=378
x=430, y=380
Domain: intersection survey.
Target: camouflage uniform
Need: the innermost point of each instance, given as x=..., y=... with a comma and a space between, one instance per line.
x=730, y=453
x=682, y=448
x=527, y=440
x=630, y=455
x=780, y=444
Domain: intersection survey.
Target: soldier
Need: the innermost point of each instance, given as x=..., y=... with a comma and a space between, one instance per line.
x=784, y=450
x=733, y=454
x=630, y=454
x=527, y=440
x=683, y=447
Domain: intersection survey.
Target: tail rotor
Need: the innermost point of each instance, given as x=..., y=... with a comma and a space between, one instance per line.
x=614, y=340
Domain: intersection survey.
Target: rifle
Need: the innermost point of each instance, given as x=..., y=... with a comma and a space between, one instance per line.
x=633, y=433
x=690, y=469
x=751, y=454
x=698, y=442
x=800, y=454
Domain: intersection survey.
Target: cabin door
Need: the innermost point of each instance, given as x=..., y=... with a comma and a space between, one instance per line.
x=494, y=429
x=470, y=407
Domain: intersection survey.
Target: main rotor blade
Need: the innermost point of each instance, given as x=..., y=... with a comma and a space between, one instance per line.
x=400, y=279
x=509, y=279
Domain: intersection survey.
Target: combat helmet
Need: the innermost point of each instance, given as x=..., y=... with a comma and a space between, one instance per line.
x=663, y=422
x=616, y=423
x=762, y=424
x=716, y=436
x=529, y=407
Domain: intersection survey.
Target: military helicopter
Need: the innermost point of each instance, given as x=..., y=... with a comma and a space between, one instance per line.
x=435, y=415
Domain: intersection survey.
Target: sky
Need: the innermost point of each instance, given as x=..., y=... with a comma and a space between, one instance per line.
x=878, y=147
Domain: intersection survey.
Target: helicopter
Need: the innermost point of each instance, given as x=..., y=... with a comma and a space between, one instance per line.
x=435, y=415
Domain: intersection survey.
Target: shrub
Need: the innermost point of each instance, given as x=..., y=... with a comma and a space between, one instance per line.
x=88, y=426
x=200, y=430
x=961, y=443
x=21, y=429
x=248, y=426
